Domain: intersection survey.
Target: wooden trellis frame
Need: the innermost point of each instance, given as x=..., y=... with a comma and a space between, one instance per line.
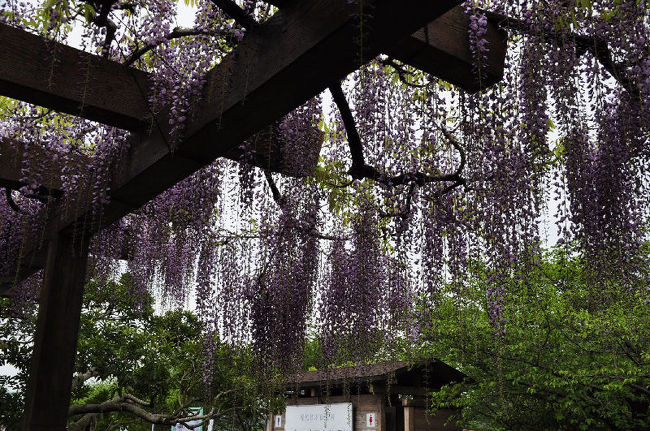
x=279, y=65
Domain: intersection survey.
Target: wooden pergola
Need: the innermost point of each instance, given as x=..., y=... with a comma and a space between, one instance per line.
x=279, y=65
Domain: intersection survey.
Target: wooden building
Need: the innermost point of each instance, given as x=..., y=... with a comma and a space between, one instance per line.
x=382, y=397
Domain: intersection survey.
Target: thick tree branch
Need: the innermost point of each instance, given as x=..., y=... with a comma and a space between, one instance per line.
x=232, y=9
x=361, y=170
x=103, y=8
x=175, y=34
x=84, y=423
x=79, y=379
x=131, y=404
x=354, y=141
x=277, y=196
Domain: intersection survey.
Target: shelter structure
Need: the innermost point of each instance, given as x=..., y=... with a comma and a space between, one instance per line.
x=381, y=397
x=277, y=66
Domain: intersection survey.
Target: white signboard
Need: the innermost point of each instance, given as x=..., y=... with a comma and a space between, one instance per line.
x=319, y=417
x=194, y=411
x=278, y=421
x=370, y=420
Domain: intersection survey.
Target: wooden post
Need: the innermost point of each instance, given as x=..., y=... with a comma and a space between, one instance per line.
x=55, y=343
x=409, y=415
x=271, y=424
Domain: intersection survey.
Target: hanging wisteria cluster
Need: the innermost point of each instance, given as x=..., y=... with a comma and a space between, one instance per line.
x=414, y=181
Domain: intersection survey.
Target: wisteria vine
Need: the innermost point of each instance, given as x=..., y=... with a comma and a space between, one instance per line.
x=398, y=180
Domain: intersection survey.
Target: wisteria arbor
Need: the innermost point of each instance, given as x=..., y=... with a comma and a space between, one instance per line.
x=119, y=152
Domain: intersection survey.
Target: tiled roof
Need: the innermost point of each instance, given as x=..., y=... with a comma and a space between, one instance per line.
x=371, y=372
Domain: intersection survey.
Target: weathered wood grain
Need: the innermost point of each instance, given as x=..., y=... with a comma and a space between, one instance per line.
x=55, y=342
x=63, y=78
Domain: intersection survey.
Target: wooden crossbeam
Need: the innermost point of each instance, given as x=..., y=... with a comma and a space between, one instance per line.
x=441, y=48
x=63, y=78
x=39, y=72
x=279, y=65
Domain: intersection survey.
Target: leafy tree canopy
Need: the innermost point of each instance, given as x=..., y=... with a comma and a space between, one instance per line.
x=563, y=361
x=138, y=367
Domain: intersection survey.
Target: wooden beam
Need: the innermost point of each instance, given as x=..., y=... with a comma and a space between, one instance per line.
x=40, y=72
x=117, y=95
x=55, y=343
x=63, y=78
x=441, y=48
x=279, y=65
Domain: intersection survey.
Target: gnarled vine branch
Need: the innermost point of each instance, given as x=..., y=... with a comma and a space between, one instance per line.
x=360, y=169
x=175, y=34
x=277, y=196
x=235, y=12
x=137, y=407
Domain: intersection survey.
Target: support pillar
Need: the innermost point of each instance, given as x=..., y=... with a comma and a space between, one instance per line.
x=55, y=343
x=409, y=415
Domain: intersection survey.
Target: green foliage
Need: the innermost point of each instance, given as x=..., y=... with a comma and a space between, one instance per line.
x=11, y=408
x=191, y=3
x=124, y=347
x=565, y=362
x=16, y=333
